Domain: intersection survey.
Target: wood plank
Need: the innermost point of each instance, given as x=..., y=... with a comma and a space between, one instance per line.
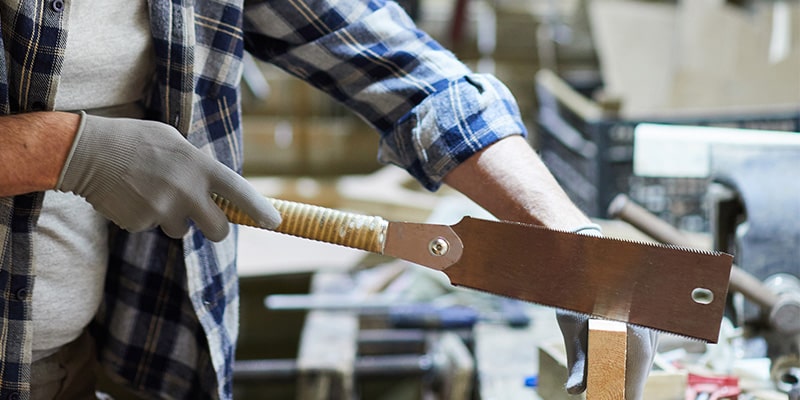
x=607, y=351
x=661, y=385
x=328, y=347
x=505, y=356
x=458, y=366
x=552, y=358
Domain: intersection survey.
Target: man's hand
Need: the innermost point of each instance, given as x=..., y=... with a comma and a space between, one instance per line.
x=640, y=350
x=142, y=174
x=509, y=180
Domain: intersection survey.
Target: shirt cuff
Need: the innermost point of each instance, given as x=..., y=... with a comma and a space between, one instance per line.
x=468, y=114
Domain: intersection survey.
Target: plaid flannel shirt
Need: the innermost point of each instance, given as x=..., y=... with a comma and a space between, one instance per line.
x=168, y=323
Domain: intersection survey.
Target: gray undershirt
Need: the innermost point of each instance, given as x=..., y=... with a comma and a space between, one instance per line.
x=107, y=68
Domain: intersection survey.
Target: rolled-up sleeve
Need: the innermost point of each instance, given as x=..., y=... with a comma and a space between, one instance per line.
x=431, y=111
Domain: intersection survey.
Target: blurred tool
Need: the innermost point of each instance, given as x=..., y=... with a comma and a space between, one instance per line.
x=409, y=315
x=785, y=372
x=783, y=311
x=440, y=362
x=417, y=353
x=396, y=365
x=758, y=216
x=778, y=296
x=712, y=387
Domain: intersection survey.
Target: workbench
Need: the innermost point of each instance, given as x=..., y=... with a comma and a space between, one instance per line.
x=339, y=355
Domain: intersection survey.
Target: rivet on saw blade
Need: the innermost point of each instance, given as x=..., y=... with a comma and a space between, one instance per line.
x=439, y=246
x=702, y=296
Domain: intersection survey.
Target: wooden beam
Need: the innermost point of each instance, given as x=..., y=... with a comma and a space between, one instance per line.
x=606, y=357
x=328, y=347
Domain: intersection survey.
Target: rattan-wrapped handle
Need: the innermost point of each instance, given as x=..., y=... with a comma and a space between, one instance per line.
x=319, y=223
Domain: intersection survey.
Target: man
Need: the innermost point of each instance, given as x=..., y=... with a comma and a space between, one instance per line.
x=134, y=107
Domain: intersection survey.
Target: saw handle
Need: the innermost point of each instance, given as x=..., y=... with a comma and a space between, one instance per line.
x=327, y=225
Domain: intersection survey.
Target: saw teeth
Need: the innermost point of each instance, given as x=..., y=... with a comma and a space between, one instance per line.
x=669, y=246
x=631, y=241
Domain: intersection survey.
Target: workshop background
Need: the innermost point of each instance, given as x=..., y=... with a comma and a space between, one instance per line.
x=668, y=121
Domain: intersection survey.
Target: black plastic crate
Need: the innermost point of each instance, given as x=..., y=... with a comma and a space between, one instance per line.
x=590, y=152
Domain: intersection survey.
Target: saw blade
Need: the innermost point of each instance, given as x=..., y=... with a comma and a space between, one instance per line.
x=668, y=288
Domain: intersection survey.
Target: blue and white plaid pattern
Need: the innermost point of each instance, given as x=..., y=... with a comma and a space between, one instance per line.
x=168, y=323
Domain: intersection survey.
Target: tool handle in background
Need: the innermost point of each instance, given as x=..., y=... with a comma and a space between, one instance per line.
x=741, y=281
x=431, y=317
x=327, y=225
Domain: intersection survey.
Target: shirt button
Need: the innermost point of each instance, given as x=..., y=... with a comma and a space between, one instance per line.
x=13, y=396
x=57, y=5
x=22, y=294
x=37, y=106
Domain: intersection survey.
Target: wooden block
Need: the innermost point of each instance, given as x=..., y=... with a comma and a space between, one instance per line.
x=328, y=347
x=606, y=360
x=458, y=368
x=553, y=372
x=327, y=355
x=665, y=385
x=504, y=356
x=661, y=385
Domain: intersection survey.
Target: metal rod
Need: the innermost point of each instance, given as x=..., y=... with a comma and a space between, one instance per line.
x=365, y=366
x=270, y=369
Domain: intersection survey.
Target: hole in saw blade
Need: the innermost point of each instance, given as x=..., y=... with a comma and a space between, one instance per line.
x=702, y=296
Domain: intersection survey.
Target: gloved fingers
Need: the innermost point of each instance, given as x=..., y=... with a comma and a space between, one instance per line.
x=175, y=228
x=211, y=220
x=641, y=349
x=243, y=195
x=575, y=331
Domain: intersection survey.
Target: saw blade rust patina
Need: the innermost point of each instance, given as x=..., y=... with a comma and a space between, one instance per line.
x=667, y=288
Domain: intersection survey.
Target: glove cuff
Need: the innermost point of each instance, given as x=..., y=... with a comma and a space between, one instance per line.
x=98, y=158
x=75, y=140
x=589, y=229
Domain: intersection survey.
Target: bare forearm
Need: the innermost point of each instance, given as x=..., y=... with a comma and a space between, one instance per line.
x=509, y=180
x=33, y=148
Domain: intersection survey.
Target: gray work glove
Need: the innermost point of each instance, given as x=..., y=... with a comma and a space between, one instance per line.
x=142, y=174
x=641, y=348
